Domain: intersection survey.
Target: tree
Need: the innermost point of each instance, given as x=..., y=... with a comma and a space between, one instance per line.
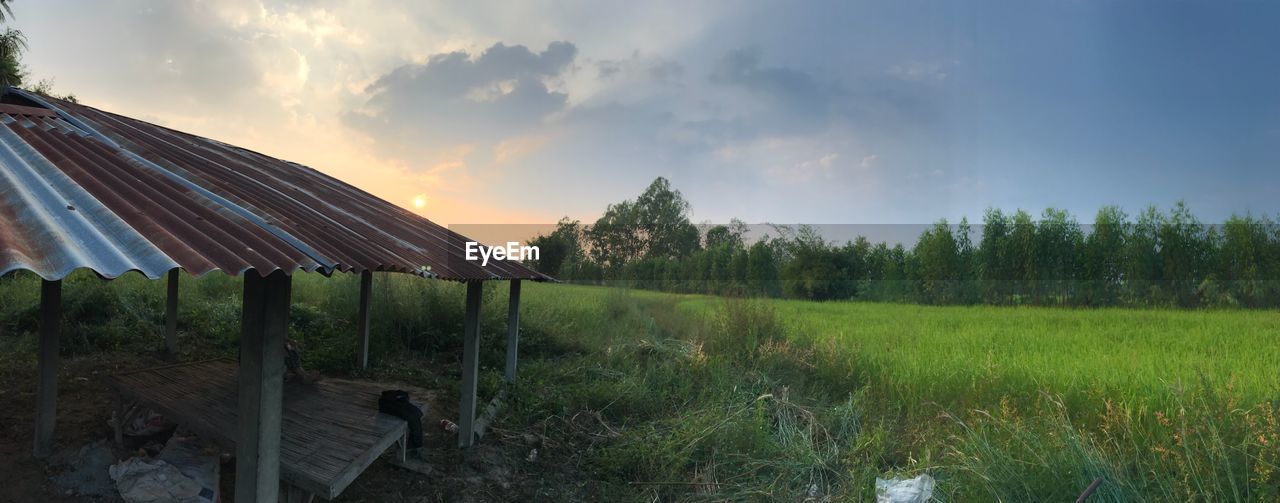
x=614, y=238
x=811, y=270
x=1185, y=247
x=563, y=245
x=1021, y=254
x=967, y=291
x=655, y=225
x=762, y=269
x=994, y=270
x=1103, y=256
x=663, y=222
x=1058, y=242
x=12, y=44
x=857, y=259
x=887, y=274
x=938, y=261
x=725, y=235
x=1142, y=270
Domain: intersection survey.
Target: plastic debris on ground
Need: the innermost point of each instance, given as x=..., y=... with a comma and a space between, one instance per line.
x=183, y=472
x=86, y=470
x=142, y=422
x=914, y=490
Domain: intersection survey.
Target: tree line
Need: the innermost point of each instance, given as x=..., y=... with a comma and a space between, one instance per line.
x=1158, y=258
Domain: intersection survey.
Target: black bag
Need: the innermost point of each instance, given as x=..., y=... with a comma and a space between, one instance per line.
x=396, y=402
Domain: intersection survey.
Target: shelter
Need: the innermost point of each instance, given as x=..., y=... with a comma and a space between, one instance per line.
x=85, y=188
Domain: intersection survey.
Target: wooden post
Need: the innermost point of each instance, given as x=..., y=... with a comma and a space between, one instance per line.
x=264, y=324
x=513, y=330
x=470, y=365
x=366, y=285
x=47, y=366
x=171, y=315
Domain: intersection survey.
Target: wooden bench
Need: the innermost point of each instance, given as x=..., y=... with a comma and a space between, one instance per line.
x=331, y=432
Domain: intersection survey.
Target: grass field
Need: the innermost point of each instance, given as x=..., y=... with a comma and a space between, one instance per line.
x=641, y=394
x=968, y=355
x=1008, y=403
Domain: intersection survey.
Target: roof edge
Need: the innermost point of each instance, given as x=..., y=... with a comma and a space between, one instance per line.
x=252, y=217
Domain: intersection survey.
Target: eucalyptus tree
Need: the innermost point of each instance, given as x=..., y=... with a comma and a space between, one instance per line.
x=1103, y=256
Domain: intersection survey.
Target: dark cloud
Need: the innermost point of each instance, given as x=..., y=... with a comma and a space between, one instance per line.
x=666, y=69
x=608, y=69
x=787, y=100
x=749, y=113
x=455, y=98
x=742, y=68
x=661, y=70
x=780, y=100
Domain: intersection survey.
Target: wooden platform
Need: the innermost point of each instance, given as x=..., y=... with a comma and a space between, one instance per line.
x=331, y=432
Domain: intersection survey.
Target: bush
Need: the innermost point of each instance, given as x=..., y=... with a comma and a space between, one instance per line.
x=745, y=327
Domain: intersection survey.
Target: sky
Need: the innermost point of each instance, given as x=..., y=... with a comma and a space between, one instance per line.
x=842, y=112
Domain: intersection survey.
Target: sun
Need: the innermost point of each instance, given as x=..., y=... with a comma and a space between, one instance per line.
x=420, y=201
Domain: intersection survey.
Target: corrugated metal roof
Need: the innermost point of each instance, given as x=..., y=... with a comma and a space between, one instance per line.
x=80, y=187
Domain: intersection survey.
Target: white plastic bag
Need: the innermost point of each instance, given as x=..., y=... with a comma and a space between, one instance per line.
x=182, y=473
x=145, y=481
x=188, y=454
x=916, y=490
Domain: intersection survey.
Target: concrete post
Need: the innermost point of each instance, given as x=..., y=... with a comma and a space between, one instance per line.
x=47, y=366
x=171, y=315
x=470, y=365
x=513, y=330
x=366, y=285
x=264, y=325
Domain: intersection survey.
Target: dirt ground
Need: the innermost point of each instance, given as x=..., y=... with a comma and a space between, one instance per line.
x=500, y=468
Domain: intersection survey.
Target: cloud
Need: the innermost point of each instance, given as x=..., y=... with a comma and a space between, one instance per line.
x=922, y=71
x=174, y=55
x=827, y=160
x=457, y=97
x=665, y=70
x=516, y=148
x=787, y=86
x=657, y=69
x=869, y=161
x=608, y=68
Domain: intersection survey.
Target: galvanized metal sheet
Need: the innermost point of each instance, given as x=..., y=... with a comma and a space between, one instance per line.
x=155, y=198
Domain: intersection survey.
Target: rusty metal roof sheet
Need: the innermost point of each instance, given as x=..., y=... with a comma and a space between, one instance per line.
x=84, y=188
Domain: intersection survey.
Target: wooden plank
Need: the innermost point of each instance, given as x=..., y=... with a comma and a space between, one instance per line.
x=47, y=367
x=513, y=330
x=264, y=324
x=171, y=315
x=359, y=464
x=362, y=321
x=470, y=365
x=152, y=370
x=330, y=433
